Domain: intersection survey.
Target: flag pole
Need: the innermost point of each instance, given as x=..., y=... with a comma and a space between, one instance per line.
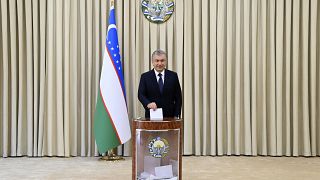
x=112, y=154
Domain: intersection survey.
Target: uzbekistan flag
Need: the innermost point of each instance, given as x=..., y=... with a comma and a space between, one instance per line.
x=111, y=121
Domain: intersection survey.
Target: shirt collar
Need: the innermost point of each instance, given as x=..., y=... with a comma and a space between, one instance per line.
x=156, y=72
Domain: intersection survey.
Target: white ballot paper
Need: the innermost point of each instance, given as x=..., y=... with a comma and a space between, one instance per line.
x=164, y=171
x=156, y=114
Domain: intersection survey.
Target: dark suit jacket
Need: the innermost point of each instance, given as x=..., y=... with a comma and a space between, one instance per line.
x=170, y=100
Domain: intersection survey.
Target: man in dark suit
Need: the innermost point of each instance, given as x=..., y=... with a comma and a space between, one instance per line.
x=160, y=88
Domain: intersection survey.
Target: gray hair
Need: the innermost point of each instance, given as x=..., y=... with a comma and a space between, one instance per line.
x=158, y=52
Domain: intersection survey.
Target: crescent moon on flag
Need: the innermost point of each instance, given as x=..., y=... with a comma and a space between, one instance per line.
x=111, y=26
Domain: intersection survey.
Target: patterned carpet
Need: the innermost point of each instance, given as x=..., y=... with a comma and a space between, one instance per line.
x=203, y=167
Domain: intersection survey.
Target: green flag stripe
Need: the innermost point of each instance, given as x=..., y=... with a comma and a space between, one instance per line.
x=105, y=134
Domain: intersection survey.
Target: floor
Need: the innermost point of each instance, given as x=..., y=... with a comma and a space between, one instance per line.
x=202, y=167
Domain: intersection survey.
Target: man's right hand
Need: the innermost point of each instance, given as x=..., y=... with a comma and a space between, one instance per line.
x=152, y=106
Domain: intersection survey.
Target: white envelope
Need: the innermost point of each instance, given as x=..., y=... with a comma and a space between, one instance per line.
x=156, y=114
x=164, y=171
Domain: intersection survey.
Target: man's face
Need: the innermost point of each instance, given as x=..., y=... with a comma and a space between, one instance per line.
x=159, y=62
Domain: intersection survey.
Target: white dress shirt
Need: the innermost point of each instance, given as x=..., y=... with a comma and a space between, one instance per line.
x=156, y=72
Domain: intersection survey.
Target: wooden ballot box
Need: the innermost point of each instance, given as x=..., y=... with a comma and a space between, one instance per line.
x=157, y=149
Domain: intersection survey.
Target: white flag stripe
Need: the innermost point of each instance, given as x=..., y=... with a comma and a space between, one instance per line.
x=113, y=98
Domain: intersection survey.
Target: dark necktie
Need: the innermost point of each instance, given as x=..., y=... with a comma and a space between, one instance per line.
x=160, y=82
